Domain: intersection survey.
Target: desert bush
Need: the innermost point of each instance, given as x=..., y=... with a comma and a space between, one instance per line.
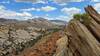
x=83, y=18
x=77, y=16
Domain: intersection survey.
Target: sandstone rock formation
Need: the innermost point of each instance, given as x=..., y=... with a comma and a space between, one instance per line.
x=84, y=39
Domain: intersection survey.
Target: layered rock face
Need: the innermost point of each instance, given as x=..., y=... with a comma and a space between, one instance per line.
x=83, y=39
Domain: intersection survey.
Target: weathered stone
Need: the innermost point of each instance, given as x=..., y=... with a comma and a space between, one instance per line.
x=92, y=12
x=82, y=40
x=62, y=46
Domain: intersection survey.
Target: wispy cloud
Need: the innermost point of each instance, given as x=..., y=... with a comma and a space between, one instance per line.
x=45, y=9
x=32, y=1
x=95, y=0
x=65, y=1
x=13, y=14
x=45, y=1
x=28, y=9
x=97, y=7
x=48, y=8
x=70, y=11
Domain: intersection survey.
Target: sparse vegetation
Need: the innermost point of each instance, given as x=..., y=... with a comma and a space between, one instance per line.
x=77, y=16
x=84, y=18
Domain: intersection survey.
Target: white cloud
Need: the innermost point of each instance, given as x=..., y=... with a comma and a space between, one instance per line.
x=48, y=8
x=2, y=7
x=70, y=11
x=46, y=1
x=27, y=0
x=24, y=14
x=64, y=1
x=97, y=6
x=32, y=1
x=4, y=13
x=95, y=0
x=38, y=9
x=29, y=9
x=43, y=2
x=60, y=17
x=62, y=4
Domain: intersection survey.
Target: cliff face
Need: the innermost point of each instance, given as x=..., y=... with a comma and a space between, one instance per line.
x=83, y=40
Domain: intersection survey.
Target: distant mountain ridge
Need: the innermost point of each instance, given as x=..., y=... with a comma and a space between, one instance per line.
x=36, y=22
x=59, y=22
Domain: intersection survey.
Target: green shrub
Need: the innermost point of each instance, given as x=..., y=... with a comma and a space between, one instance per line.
x=85, y=19
x=77, y=16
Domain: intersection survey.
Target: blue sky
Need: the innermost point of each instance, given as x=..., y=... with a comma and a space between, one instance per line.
x=49, y=9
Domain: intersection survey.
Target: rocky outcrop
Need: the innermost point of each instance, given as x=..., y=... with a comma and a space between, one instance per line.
x=82, y=42
x=93, y=13
x=62, y=46
x=84, y=39
x=94, y=27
